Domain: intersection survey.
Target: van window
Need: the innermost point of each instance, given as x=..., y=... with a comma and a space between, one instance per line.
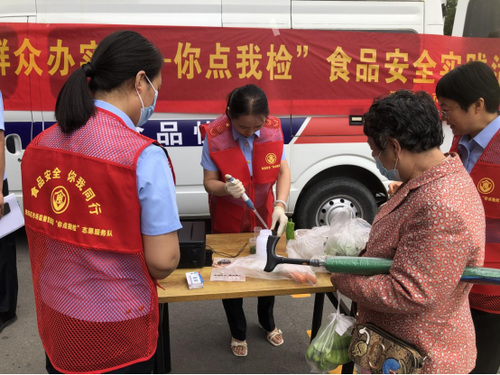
x=483, y=17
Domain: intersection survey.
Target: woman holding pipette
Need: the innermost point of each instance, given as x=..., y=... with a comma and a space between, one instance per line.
x=243, y=153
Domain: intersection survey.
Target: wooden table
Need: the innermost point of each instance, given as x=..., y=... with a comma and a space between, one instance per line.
x=176, y=289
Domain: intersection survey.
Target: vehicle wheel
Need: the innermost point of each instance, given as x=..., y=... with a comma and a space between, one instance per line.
x=316, y=207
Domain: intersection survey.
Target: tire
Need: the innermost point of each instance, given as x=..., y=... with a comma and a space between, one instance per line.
x=321, y=199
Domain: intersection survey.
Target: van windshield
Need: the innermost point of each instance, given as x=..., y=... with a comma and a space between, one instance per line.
x=483, y=18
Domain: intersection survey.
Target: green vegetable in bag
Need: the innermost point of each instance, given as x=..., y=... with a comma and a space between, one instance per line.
x=339, y=356
x=330, y=348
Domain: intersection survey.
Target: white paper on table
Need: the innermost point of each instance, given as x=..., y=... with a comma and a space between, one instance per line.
x=221, y=273
x=14, y=219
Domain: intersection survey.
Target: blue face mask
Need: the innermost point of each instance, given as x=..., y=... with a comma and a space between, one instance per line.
x=146, y=112
x=392, y=174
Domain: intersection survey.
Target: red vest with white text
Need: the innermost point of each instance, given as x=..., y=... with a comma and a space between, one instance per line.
x=486, y=176
x=230, y=215
x=97, y=305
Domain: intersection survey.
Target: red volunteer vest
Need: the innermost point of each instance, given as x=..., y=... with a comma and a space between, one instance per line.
x=97, y=306
x=230, y=215
x=486, y=176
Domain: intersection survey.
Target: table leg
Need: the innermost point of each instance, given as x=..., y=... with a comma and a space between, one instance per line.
x=319, y=300
x=163, y=363
x=343, y=307
x=334, y=300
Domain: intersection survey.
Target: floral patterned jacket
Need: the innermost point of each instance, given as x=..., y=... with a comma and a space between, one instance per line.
x=432, y=228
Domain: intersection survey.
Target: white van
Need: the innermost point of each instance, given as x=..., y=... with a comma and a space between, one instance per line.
x=331, y=164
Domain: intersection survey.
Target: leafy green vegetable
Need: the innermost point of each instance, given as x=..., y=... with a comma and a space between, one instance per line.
x=327, y=352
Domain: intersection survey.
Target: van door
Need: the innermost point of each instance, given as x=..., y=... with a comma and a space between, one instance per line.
x=18, y=114
x=16, y=10
x=358, y=15
x=20, y=128
x=340, y=172
x=257, y=13
x=144, y=12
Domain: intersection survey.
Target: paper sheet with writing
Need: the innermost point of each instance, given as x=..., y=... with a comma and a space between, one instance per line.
x=14, y=219
x=221, y=273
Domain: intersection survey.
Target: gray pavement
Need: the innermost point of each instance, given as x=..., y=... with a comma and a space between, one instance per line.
x=199, y=334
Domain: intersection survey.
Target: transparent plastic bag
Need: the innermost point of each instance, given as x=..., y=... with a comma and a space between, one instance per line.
x=347, y=235
x=330, y=348
x=308, y=242
x=299, y=273
x=253, y=266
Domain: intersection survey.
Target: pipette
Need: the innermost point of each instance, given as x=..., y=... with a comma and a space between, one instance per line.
x=250, y=205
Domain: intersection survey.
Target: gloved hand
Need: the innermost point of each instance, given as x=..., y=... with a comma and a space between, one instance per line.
x=235, y=187
x=279, y=217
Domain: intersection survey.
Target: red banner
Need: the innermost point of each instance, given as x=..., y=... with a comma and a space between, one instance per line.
x=302, y=71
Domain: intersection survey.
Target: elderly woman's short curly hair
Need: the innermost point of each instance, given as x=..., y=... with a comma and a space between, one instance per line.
x=410, y=117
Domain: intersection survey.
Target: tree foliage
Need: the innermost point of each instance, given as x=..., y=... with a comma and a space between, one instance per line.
x=451, y=7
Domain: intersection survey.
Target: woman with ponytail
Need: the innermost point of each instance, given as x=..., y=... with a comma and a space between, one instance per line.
x=101, y=215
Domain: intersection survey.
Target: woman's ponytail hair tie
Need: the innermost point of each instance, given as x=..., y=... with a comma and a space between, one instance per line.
x=88, y=69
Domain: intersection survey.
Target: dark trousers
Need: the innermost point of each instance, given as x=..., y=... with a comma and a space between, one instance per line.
x=487, y=327
x=145, y=367
x=236, y=316
x=8, y=272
